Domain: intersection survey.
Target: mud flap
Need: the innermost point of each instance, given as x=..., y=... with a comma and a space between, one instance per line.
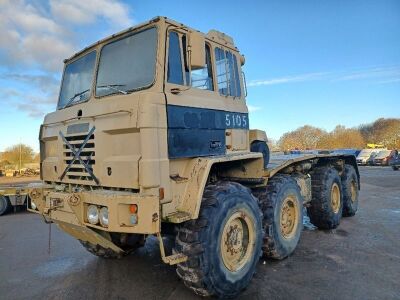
x=87, y=235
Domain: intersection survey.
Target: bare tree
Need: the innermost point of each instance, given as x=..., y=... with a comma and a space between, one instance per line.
x=382, y=131
x=341, y=138
x=306, y=137
x=18, y=155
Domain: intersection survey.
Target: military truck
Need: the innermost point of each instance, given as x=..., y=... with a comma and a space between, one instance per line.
x=151, y=137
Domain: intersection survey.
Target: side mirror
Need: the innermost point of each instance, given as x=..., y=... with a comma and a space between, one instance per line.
x=242, y=60
x=196, y=50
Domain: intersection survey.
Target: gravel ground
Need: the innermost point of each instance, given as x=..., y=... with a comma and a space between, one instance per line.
x=359, y=260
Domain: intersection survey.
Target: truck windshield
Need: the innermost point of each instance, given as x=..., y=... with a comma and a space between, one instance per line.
x=77, y=80
x=127, y=64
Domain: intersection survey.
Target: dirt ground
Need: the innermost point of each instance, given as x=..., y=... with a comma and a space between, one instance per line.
x=359, y=260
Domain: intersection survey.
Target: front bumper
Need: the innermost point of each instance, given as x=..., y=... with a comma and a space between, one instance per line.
x=380, y=162
x=65, y=208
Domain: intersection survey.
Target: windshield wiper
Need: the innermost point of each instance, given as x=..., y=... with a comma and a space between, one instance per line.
x=113, y=87
x=71, y=100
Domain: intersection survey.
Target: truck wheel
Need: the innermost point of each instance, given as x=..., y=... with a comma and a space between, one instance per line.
x=224, y=244
x=326, y=205
x=127, y=242
x=5, y=205
x=282, y=206
x=262, y=147
x=350, y=191
x=395, y=168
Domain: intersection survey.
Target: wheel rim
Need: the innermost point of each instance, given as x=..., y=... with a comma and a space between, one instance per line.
x=353, y=189
x=237, y=242
x=335, y=198
x=289, y=217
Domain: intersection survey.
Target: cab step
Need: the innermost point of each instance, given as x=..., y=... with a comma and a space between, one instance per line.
x=173, y=259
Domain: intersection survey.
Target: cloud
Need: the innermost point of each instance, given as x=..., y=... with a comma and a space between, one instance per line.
x=288, y=79
x=35, y=103
x=391, y=73
x=34, y=110
x=31, y=39
x=36, y=36
x=44, y=82
x=386, y=74
x=85, y=12
x=390, y=80
x=252, y=108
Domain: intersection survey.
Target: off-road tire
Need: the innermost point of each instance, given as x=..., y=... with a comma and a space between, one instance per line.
x=350, y=186
x=321, y=211
x=205, y=272
x=395, y=168
x=5, y=205
x=137, y=242
x=271, y=200
x=262, y=147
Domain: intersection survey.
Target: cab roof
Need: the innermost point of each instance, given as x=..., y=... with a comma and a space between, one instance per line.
x=213, y=35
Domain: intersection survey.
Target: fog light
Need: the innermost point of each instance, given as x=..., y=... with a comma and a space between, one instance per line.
x=93, y=214
x=103, y=216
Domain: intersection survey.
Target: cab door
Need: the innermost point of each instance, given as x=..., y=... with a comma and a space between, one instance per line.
x=200, y=106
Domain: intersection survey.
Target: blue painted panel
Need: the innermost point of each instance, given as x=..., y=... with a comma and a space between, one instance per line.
x=195, y=142
x=194, y=132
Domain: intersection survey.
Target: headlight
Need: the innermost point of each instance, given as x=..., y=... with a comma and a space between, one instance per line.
x=103, y=216
x=33, y=205
x=93, y=214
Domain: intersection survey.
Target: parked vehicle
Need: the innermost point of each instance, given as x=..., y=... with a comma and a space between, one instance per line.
x=364, y=157
x=354, y=152
x=370, y=160
x=382, y=158
x=394, y=160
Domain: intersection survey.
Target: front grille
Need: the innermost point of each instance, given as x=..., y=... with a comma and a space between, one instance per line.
x=77, y=171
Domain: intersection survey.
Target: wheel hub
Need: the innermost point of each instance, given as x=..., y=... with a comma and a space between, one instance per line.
x=335, y=198
x=289, y=217
x=237, y=241
x=234, y=239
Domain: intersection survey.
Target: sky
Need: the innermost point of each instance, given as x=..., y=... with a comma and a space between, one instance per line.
x=321, y=63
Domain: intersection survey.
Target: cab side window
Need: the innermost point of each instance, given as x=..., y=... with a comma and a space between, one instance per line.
x=227, y=73
x=174, y=60
x=220, y=66
x=178, y=67
x=202, y=78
